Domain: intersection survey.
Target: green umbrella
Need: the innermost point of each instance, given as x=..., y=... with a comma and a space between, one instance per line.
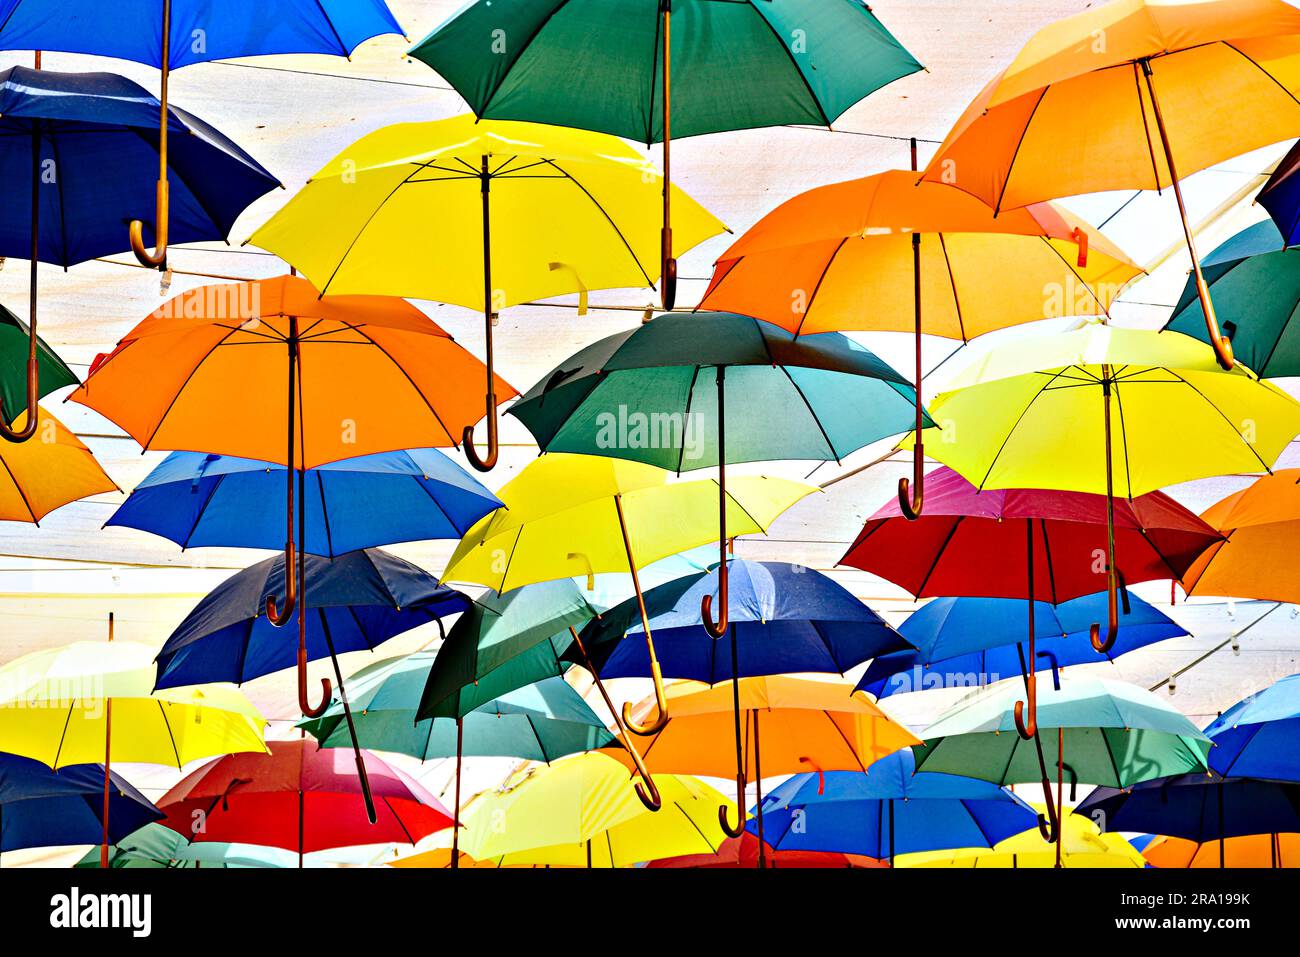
x=1256, y=286
x=648, y=69
x=157, y=846
x=14, y=344
x=1107, y=732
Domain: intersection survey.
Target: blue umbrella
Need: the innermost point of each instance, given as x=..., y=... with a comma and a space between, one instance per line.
x=1281, y=195
x=40, y=807
x=358, y=600
x=88, y=144
x=890, y=810
x=965, y=642
x=1257, y=737
x=195, y=499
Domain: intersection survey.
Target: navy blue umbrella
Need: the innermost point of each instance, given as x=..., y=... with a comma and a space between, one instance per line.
x=970, y=642
x=357, y=601
x=40, y=807
x=195, y=499
x=889, y=810
x=1257, y=737
x=1281, y=195
x=79, y=153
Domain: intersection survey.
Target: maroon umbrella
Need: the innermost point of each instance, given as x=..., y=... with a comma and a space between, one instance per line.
x=301, y=798
x=1036, y=544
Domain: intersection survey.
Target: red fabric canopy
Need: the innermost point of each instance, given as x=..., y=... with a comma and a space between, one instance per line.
x=742, y=851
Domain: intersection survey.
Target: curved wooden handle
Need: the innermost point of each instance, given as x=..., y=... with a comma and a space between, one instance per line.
x=717, y=628
x=1027, y=727
x=158, y=257
x=483, y=463
x=1112, y=626
x=33, y=389
x=661, y=703
x=326, y=689
x=911, y=494
x=280, y=617
x=725, y=824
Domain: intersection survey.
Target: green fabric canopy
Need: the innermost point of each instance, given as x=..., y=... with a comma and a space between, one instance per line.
x=54, y=373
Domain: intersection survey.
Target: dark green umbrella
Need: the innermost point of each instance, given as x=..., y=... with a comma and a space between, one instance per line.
x=14, y=342
x=648, y=69
x=1256, y=286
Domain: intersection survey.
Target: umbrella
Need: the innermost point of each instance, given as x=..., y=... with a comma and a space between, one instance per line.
x=173, y=33
x=539, y=722
x=1256, y=736
x=300, y=798
x=1081, y=845
x=569, y=209
x=94, y=130
x=269, y=370
x=1115, y=734
x=805, y=724
x=15, y=340
x=359, y=600
x=44, y=808
x=840, y=254
x=61, y=705
x=1026, y=416
x=1258, y=525
x=746, y=851
x=1254, y=850
x=156, y=846
x=975, y=641
x=578, y=812
x=38, y=477
x=196, y=499
x=1256, y=296
x=890, y=810
x=1280, y=197
x=735, y=67
x=1211, y=79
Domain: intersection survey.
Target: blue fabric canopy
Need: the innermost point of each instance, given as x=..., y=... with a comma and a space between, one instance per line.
x=195, y=499
x=200, y=29
x=787, y=618
x=850, y=811
x=40, y=807
x=968, y=642
x=358, y=600
x=98, y=165
x=1257, y=737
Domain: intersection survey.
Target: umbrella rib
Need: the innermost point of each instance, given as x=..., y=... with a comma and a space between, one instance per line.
x=1011, y=431
x=1146, y=126
x=817, y=288
x=1207, y=401
x=343, y=50
x=1075, y=273
x=1123, y=439
x=398, y=818
x=18, y=487
x=826, y=120
x=1258, y=66
x=852, y=750
x=830, y=446
x=1110, y=753
x=655, y=73
x=523, y=48
x=609, y=219
x=690, y=398
x=952, y=283
x=1051, y=568
x=925, y=579
x=433, y=498
x=198, y=517
x=418, y=390
x=144, y=447
x=997, y=208
x=171, y=737
x=58, y=752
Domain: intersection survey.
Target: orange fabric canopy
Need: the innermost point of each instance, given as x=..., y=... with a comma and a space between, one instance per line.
x=1254, y=850
x=51, y=469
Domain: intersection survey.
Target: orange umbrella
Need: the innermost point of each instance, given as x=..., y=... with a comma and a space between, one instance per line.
x=1253, y=850
x=1260, y=525
x=850, y=256
x=270, y=370
x=38, y=477
x=1112, y=97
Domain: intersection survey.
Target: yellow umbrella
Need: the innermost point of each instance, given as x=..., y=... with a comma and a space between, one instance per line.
x=573, y=515
x=61, y=706
x=1082, y=845
x=1112, y=97
x=483, y=214
x=38, y=477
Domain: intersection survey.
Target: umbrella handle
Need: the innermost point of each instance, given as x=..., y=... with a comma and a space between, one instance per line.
x=739, y=829
x=327, y=690
x=33, y=374
x=911, y=494
x=488, y=463
x=717, y=628
x=157, y=258
x=1027, y=728
x=668, y=278
x=661, y=706
x=1112, y=626
x=33, y=388
x=280, y=617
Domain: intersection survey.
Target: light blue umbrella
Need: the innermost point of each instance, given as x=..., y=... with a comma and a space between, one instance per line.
x=1257, y=737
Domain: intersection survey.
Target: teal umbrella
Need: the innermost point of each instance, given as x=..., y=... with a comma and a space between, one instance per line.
x=1107, y=732
x=156, y=846
x=648, y=69
x=1256, y=286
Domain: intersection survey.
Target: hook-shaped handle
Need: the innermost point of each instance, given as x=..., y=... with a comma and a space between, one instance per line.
x=157, y=258
x=661, y=706
x=277, y=616
x=668, y=275
x=33, y=390
x=1049, y=827
x=327, y=689
x=911, y=494
x=739, y=829
x=1027, y=727
x=716, y=628
x=487, y=463
x=1112, y=627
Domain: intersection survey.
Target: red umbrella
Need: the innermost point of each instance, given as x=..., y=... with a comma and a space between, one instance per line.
x=1037, y=544
x=743, y=852
x=301, y=798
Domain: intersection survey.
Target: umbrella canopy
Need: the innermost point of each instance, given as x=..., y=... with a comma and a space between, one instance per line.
x=975, y=641
x=196, y=499
x=735, y=67
x=890, y=810
x=786, y=618
x=14, y=341
x=539, y=722
x=655, y=394
x=1082, y=845
x=1256, y=296
x=1258, y=525
x=1255, y=737
x=53, y=709
x=44, y=808
x=38, y=477
x=1197, y=806
x=157, y=846
x=848, y=248
x=804, y=723
x=1115, y=735
x=355, y=601
x=301, y=798
x=579, y=812
x=1281, y=196
x=228, y=28
x=743, y=852
x=1255, y=850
